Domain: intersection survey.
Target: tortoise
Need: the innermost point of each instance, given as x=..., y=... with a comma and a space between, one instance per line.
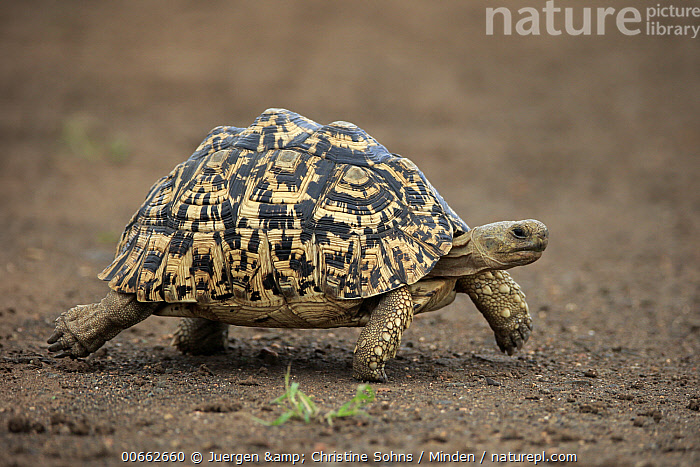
x=293, y=224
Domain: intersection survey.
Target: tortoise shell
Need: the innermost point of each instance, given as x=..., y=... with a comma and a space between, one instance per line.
x=284, y=210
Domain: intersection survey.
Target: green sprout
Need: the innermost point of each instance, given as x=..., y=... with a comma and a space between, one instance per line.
x=298, y=404
x=353, y=407
x=302, y=407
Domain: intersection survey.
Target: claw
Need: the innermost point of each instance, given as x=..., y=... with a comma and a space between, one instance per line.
x=62, y=354
x=506, y=343
x=55, y=346
x=501, y=347
x=54, y=338
x=518, y=341
x=377, y=377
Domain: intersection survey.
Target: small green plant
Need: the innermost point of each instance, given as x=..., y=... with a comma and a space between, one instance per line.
x=302, y=407
x=298, y=404
x=355, y=406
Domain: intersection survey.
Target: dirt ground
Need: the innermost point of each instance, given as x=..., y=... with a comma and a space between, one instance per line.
x=597, y=136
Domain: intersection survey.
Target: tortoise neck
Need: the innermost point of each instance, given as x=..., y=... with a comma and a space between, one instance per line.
x=466, y=258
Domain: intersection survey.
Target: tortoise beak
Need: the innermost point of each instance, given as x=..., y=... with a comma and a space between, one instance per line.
x=541, y=239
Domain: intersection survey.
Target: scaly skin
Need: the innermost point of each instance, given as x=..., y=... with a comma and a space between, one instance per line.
x=499, y=298
x=381, y=337
x=200, y=336
x=85, y=328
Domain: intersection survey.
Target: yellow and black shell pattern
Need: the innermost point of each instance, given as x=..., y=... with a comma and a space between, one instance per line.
x=284, y=211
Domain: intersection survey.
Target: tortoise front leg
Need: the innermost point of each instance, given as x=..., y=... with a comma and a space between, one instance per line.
x=499, y=298
x=85, y=328
x=380, y=338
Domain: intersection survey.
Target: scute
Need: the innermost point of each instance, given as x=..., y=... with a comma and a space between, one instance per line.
x=283, y=211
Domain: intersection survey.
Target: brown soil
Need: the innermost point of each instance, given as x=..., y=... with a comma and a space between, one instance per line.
x=596, y=136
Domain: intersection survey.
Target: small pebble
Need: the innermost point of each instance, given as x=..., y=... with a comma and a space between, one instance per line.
x=250, y=381
x=492, y=382
x=204, y=370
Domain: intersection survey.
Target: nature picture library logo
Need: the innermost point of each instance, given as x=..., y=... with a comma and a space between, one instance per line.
x=557, y=18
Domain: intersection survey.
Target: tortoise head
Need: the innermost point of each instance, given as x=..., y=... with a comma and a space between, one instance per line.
x=501, y=245
x=507, y=244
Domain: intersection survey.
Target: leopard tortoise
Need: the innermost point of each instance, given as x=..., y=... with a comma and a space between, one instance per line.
x=292, y=224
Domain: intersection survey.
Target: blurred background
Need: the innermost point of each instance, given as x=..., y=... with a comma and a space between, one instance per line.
x=597, y=136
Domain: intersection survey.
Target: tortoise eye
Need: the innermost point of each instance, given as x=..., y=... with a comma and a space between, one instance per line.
x=519, y=233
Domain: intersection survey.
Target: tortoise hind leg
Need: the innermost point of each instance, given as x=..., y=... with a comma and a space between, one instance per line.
x=380, y=338
x=200, y=336
x=85, y=328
